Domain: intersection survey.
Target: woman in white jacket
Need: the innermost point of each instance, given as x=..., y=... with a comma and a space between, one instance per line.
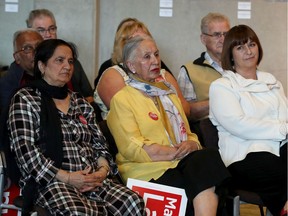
x=249, y=108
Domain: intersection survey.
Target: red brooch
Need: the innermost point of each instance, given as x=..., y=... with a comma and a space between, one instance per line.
x=153, y=116
x=83, y=120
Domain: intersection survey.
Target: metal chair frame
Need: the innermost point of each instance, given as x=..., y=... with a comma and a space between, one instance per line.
x=6, y=183
x=3, y=185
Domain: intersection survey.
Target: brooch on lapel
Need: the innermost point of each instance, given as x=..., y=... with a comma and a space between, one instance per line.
x=82, y=119
x=153, y=116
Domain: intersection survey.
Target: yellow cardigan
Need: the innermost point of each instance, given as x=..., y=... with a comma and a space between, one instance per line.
x=133, y=122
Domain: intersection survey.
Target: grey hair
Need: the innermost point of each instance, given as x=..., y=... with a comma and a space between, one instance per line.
x=38, y=13
x=211, y=17
x=17, y=34
x=129, y=49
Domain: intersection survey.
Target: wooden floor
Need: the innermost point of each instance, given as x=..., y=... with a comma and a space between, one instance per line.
x=250, y=210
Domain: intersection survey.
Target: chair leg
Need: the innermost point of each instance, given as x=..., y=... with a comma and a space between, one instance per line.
x=268, y=213
x=1, y=188
x=236, y=206
x=261, y=210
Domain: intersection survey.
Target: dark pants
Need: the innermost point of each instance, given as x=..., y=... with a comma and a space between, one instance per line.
x=197, y=172
x=265, y=174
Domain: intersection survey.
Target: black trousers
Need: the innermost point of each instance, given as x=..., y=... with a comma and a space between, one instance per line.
x=265, y=174
x=197, y=172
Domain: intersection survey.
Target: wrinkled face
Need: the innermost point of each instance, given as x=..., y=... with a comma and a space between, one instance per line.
x=25, y=50
x=245, y=56
x=59, y=68
x=146, y=64
x=214, y=38
x=45, y=26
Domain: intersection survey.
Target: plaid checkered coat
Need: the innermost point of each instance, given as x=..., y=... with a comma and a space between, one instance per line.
x=83, y=144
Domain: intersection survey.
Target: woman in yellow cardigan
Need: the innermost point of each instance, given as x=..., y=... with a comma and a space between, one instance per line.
x=153, y=136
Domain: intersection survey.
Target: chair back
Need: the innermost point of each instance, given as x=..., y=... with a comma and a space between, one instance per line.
x=97, y=111
x=210, y=133
x=109, y=138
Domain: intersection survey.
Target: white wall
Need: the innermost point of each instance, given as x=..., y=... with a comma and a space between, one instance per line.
x=9, y=23
x=76, y=21
x=178, y=37
x=91, y=25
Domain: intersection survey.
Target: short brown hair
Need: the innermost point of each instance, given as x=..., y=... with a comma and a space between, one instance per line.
x=238, y=35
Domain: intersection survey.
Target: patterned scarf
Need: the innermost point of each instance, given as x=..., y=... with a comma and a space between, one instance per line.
x=172, y=120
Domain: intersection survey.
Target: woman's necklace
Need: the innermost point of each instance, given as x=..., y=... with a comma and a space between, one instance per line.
x=155, y=101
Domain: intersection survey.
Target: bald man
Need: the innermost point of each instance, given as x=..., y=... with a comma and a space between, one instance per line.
x=20, y=71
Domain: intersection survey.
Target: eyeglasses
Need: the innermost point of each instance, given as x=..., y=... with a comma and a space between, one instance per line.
x=51, y=30
x=26, y=49
x=216, y=35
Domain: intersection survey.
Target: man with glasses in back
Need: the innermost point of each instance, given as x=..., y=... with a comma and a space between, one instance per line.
x=20, y=71
x=195, y=77
x=44, y=22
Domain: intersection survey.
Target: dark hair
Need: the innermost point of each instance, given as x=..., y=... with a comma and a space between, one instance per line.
x=238, y=35
x=45, y=50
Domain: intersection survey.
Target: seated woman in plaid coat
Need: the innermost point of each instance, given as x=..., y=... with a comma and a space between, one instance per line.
x=61, y=153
